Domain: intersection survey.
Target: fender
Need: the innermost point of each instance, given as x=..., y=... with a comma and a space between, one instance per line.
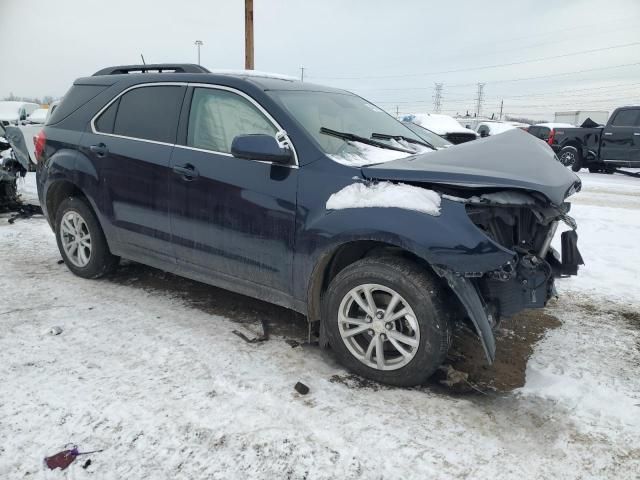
x=72, y=166
x=450, y=243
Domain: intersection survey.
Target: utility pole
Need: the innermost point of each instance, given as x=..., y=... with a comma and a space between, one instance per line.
x=248, y=34
x=501, y=105
x=302, y=74
x=198, y=44
x=437, y=98
x=397, y=112
x=479, y=99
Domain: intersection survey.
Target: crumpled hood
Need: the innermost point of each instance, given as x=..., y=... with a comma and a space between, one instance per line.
x=21, y=140
x=512, y=160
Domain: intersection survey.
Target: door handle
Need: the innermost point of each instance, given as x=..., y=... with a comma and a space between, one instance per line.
x=636, y=134
x=100, y=149
x=188, y=172
x=608, y=133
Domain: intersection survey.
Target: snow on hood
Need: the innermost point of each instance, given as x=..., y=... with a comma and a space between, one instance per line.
x=369, y=154
x=386, y=195
x=437, y=123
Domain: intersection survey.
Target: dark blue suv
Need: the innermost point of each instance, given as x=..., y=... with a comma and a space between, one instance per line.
x=311, y=198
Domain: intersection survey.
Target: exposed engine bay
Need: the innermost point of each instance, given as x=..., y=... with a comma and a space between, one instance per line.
x=525, y=224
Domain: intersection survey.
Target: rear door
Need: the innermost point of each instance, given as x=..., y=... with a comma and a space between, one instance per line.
x=621, y=137
x=231, y=219
x=130, y=144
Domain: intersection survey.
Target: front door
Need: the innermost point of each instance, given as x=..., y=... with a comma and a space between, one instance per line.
x=621, y=137
x=231, y=218
x=130, y=144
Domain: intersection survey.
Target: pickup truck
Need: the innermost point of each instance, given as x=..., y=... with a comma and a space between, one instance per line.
x=598, y=148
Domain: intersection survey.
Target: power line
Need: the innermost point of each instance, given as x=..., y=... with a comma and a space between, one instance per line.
x=612, y=67
x=499, y=65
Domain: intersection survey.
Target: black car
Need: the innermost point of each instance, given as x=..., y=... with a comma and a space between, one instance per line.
x=601, y=148
x=307, y=197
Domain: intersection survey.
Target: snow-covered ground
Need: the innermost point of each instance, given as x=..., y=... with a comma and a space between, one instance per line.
x=148, y=369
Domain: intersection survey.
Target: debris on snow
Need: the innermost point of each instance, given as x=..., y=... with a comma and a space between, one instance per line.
x=253, y=337
x=65, y=458
x=386, y=195
x=301, y=388
x=55, y=330
x=453, y=376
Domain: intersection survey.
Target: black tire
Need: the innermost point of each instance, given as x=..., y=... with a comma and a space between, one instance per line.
x=101, y=261
x=425, y=297
x=571, y=157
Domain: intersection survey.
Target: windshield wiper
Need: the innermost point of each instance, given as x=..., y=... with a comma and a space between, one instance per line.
x=357, y=138
x=384, y=136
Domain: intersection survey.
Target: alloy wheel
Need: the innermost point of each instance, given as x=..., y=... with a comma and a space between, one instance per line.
x=378, y=327
x=76, y=239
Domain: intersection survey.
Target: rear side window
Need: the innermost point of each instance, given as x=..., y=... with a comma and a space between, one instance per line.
x=147, y=113
x=626, y=118
x=218, y=116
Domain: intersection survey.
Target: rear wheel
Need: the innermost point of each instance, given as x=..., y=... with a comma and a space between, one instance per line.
x=81, y=240
x=385, y=320
x=571, y=157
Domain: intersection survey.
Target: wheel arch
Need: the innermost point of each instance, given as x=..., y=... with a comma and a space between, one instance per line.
x=333, y=261
x=56, y=192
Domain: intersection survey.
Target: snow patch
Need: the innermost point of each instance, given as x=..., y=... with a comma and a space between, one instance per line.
x=386, y=195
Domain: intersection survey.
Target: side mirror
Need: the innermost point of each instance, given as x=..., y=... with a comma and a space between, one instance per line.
x=260, y=147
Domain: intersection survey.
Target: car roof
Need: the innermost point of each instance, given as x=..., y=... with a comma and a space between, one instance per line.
x=263, y=80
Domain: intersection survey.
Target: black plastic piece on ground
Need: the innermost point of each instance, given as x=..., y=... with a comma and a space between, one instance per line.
x=301, y=388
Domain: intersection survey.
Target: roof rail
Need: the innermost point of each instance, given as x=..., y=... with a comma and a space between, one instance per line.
x=152, y=67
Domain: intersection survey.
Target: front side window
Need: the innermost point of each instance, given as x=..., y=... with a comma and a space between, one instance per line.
x=147, y=113
x=625, y=118
x=218, y=116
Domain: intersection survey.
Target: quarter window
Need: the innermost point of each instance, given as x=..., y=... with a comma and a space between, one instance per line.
x=148, y=113
x=218, y=116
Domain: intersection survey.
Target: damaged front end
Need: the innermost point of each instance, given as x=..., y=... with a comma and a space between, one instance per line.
x=10, y=170
x=514, y=192
x=524, y=224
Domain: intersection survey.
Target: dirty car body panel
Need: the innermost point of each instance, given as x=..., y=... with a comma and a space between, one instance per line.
x=263, y=229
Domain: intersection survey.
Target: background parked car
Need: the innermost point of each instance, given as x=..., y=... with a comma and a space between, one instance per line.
x=12, y=112
x=486, y=129
x=601, y=148
x=443, y=125
x=38, y=116
x=433, y=138
x=546, y=131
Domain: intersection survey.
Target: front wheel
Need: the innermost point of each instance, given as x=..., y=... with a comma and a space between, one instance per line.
x=385, y=319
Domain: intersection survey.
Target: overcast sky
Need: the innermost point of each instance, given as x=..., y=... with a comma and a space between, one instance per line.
x=391, y=52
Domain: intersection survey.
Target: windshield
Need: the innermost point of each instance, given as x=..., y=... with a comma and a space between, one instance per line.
x=348, y=113
x=431, y=137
